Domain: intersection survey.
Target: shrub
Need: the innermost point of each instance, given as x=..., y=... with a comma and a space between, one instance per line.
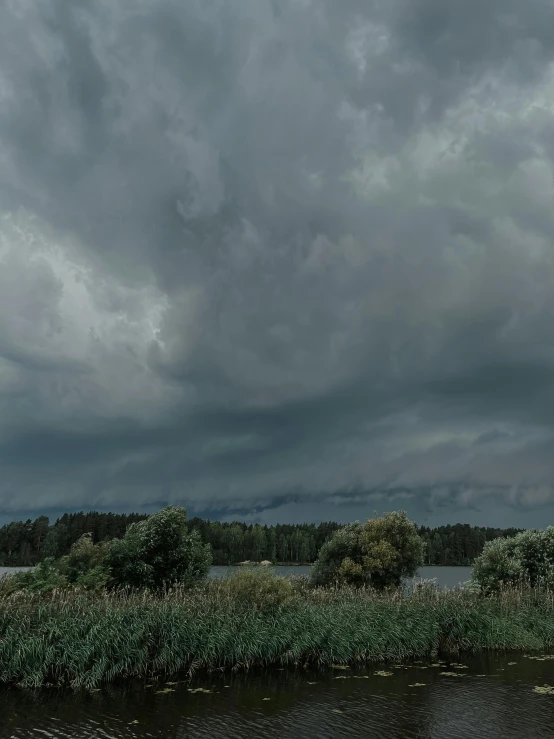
x=255, y=589
x=527, y=557
x=337, y=548
x=380, y=553
x=43, y=578
x=86, y=565
x=159, y=552
x=427, y=586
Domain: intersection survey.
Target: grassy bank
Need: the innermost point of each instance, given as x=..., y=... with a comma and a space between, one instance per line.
x=82, y=639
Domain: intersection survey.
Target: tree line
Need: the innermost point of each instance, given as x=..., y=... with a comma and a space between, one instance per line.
x=25, y=543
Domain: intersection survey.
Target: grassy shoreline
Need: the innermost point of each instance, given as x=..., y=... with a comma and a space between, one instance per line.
x=83, y=639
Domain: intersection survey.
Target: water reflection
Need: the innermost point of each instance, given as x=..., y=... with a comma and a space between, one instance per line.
x=490, y=699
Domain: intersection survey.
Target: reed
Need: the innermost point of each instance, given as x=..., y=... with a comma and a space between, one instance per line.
x=82, y=639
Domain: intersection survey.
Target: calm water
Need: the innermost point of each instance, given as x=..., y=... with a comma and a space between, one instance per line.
x=494, y=700
x=447, y=577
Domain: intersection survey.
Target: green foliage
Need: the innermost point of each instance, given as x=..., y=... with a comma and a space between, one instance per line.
x=527, y=557
x=458, y=544
x=86, y=565
x=84, y=639
x=155, y=553
x=159, y=552
x=43, y=578
x=25, y=543
x=254, y=589
x=52, y=546
x=426, y=586
x=343, y=544
x=380, y=552
x=392, y=549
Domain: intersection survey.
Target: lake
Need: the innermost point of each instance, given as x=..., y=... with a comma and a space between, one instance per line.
x=493, y=700
x=447, y=577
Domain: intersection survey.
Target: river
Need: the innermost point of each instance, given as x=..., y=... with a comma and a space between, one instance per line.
x=493, y=698
x=447, y=577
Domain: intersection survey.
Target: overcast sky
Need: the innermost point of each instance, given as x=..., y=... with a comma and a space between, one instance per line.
x=278, y=260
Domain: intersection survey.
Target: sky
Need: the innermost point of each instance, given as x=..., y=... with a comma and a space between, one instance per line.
x=278, y=260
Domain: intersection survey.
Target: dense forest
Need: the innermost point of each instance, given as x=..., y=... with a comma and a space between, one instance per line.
x=27, y=542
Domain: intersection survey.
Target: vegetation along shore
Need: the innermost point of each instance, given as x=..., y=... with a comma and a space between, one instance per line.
x=24, y=543
x=141, y=606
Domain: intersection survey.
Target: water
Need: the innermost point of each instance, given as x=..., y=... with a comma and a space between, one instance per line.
x=447, y=577
x=11, y=570
x=495, y=700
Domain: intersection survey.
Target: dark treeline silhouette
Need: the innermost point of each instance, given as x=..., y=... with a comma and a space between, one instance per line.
x=287, y=543
x=458, y=544
x=25, y=543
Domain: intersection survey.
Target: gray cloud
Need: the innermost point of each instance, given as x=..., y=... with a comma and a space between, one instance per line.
x=277, y=259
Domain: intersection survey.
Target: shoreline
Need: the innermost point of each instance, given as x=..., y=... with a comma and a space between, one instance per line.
x=248, y=563
x=243, y=564
x=81, y=639
x=444, y=660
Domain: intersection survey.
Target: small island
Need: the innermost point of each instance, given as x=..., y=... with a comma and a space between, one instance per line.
x=142, y=606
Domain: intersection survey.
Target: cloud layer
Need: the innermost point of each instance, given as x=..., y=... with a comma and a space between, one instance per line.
x=283, y=260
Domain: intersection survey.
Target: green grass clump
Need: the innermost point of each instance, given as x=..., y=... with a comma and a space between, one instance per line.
x=82, y=638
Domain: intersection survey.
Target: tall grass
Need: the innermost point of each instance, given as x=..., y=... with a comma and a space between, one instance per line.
x=82, y=639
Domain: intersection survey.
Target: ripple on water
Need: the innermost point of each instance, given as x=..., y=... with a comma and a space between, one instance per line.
x=494, y=698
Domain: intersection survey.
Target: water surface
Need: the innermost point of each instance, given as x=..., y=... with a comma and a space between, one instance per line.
x=447, y=577
x=10, y=570
x=494, y=700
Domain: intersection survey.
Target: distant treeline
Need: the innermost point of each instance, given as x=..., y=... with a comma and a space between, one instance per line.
x=25, y=543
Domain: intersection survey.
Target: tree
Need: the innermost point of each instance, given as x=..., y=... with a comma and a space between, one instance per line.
x=271, y=545
x=86, y=564
x=283, y=548
x=51, y=547
x=380, y=553
x=159, y=552
x=527, y=557
x=259, y=543
x=234, y=539
x=29, y=542
x=14, y=535
x=343, y=545
x=40, y=532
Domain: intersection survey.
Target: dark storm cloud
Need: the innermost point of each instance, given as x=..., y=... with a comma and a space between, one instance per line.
x=267, y=258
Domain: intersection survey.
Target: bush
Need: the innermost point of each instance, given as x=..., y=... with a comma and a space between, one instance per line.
x=427, y=586
x=255, y=589
x=159, y=552
x=43, y=578
x=155, y=554
x=527, y=558
x=379, y=553
x=86, y=565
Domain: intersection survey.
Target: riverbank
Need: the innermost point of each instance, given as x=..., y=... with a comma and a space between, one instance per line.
x=82, y=640
x=267, y=563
